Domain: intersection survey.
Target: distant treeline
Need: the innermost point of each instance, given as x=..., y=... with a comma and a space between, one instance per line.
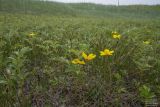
x=78, y=9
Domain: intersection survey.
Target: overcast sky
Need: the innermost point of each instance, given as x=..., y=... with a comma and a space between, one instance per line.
x=122, y=2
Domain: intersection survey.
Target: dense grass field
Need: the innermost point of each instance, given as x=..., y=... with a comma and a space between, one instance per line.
x=106, y=56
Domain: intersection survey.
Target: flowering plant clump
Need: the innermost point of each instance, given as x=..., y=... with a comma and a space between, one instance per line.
x=86, y=57
x=92, y=56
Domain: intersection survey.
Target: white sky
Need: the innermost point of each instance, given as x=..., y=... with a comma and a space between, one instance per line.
x=122, y=2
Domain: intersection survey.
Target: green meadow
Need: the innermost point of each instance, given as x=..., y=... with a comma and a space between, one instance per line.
x=78, y=55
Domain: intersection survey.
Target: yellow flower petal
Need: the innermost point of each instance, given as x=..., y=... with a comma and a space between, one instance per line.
x=116, y=35
x=91, y=56
x=32, y=34
x=102, y=53
x=77, y=61
x=84, y=55
x=81, y=62
x=146, y=42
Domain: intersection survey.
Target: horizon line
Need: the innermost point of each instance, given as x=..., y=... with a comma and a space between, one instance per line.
x=104, y=4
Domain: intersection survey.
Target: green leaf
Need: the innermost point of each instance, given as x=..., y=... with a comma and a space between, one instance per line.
x=3, y=82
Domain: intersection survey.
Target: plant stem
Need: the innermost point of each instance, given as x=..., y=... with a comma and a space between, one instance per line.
x=110, y=76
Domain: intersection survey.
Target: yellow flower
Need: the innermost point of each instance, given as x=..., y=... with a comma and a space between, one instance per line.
x=88, y=57
x=32, y=34
x=118, y=36
x=106, y=52
x=146, y=42
x=77, y=61
x=114, y=33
